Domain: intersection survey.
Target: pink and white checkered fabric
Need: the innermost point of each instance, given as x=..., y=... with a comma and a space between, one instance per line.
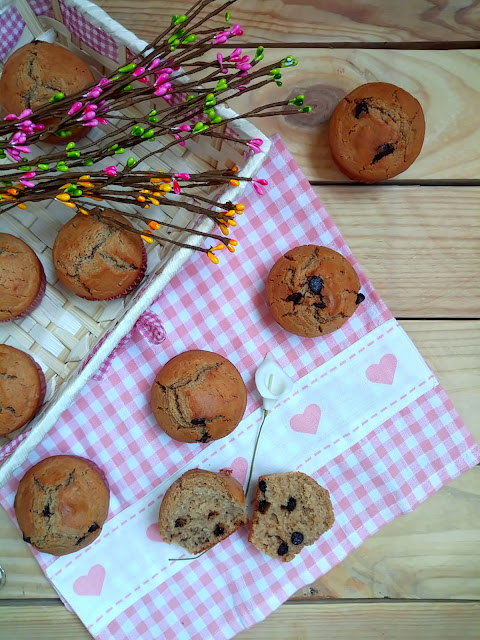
x=80, y=26
x=389, y=472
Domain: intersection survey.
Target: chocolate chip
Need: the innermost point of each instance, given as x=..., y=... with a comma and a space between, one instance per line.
x=263, y=506
x=262, y=485
x=212, y=514
x=315, y=284
x=219, y=530
x=26, y=538
x=205, y=437
x=294, y=297
x=320, y=305
x=198, y=421
x=362, y=107
x=297, y=537
x=180, y=522
x=383, y=150
x=360, y=298
x=282, y=549
x=94, y=527
x=80, y=540
x=291, y=504
x=46, y=512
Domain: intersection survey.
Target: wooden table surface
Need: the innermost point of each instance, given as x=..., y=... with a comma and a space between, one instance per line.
x=418, y=238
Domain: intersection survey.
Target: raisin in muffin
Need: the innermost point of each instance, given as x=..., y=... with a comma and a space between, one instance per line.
x=312, y=290
x=62, y=504
x=97, y=260
x=291, y=511
x=198, y=396
x=36, y=72
x=376, y=132
x=22, y=389
x=200, y=509
x=22, y=279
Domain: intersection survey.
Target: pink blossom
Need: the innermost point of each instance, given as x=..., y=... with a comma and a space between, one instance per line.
x=243, y=66
x=154, y=64
x=76, y=106
x=176, y=187
x=235, y=55
x=236, y=30
x=182, y=143
x=29, y=174
x=94, y=93
x=161, y=91
x=14, y=154
x=138, y=72
x=183, y=176
x=88, y=115
x=103, y=81
x=185, y=127
x=163, y=77
x=111, y=170
x=22, y=149
x=258, y=189
x=25, y=114
x=262, y=181
x=258, y=141
x=220, y=62
x=18, y=138
x=11, y=116
x=103, y=120
x=91, y=123
x=27, y=183
x=254, y=147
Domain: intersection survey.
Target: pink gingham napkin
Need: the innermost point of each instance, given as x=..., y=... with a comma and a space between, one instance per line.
x=366, y=418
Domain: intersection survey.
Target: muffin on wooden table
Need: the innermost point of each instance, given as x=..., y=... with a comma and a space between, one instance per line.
x=198, y=396
x=376, y=132
x=61, y=504
x=22, y=279
x=200, y=509
x=97, y=260
x=36, y=72
x=22, y=389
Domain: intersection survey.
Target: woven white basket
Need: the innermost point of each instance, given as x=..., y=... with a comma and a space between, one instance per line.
x=62, y=332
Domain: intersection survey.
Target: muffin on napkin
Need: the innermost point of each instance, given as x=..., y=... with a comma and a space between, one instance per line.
x=198, y=396
x=200, y=509
x=61, y=504
x=312, y=291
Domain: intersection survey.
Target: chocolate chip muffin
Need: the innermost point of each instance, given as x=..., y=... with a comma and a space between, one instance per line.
x=22, y=389
x=62, y=504
x=36, y=72
x=198, y=396
x=291, y=511
x=97, y=260
x=376, y=132
x=22, y=279
x=312, y=290
x=200, y=509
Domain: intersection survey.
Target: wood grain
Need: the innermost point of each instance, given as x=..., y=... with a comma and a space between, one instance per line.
x=420, y=246
x=446, y=83
x=431, y=553
x=320, y=21
x=302, y=621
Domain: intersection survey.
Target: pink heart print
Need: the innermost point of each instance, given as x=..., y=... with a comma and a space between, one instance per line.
x=384, y=371
x=239, y=470
x=153, y=533
x=308, y=421
x=92, y=583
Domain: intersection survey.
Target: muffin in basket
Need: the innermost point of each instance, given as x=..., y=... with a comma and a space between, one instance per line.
x=36, y=72
x=97, y=260
x=22, y=389
x=61, y=504
x=200, y=509
x=198, y=396
x=22, y=279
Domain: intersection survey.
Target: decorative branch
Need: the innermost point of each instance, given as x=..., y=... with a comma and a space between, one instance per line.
x=188, y=108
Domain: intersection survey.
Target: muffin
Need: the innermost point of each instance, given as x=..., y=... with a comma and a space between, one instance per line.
x=22, y=389
x=291, y=511
x=200, y=509
x=36, y=72
x=97, y=260
x=312, y=291
x=62, y=504
x=198, y=396
x=376, y=132
x=22, y=279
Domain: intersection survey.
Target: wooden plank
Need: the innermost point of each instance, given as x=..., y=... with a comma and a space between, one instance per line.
x=319, y=22
x=292, y=621
x=400, y=561
x=420, y=246
x=446, y=83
